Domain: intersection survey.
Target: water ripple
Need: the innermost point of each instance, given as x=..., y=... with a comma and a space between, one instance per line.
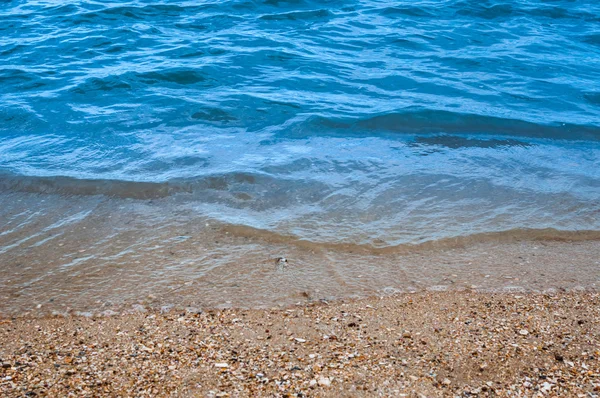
x=333, y=106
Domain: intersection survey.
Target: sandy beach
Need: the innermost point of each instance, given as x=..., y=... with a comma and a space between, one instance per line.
x=415, y=345
x=300, y=198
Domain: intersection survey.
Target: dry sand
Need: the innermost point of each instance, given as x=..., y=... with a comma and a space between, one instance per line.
x=426, y=344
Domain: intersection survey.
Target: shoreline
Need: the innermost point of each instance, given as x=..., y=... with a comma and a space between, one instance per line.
x=423, y=344
x=210, y=268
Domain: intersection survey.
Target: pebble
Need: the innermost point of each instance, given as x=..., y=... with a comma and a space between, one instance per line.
x=324, y=381
x=228, y=351
x=546, y=387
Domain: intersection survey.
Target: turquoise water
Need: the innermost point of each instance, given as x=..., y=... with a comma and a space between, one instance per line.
x=358, y=121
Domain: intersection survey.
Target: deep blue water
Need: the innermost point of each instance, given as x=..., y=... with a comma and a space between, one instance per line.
x=337, y=120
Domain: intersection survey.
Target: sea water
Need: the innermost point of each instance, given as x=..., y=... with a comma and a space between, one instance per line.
x=368, y=123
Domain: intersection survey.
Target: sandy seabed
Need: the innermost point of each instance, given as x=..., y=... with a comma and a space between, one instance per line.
x=415, y=345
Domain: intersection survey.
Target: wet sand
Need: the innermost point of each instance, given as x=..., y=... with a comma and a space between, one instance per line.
x=425, y=344
x=95, y=255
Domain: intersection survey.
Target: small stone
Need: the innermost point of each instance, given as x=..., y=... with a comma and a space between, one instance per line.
x=221, y=365
x=299, y=340
x=413, y=378
x=546, y=387
x=446, y=382
x=558, y=357
x=324, y=381
x=138, y=308
x=523, y=332
x=312, y=383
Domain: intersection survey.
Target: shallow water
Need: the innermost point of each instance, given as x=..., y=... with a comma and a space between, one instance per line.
x=93, y=254
x=361, y=124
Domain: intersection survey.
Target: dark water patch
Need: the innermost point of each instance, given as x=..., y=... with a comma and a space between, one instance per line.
x=593, y=98
x=107, y=84
x=593, y=39
x=181, y=77
x=12, y=75
x=278, y=3
x=481, y=11
x=135, y=189
x=12, y=50
x=413, y=11
x=137, y=13
x=17, y=79
x=551, y=12
x=192, y=25
x=213, y=115
x=450, y=122
x=193, y=54
x=297, y=16
x=71, y=186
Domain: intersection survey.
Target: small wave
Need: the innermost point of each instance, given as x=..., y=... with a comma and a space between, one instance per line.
x=593, y=39
x=177, y=76
x=506, y=10
x=126, y=189
x=593, y=97
x=481, y=11
x=12, y=50
x=72, y=186
x=379, y=248
x=412, y=11
x=213, y=115
x=432, y=121
x=297, y=15
x=107, y=84
x=455, y=142
x=138, y=13
x=129, y=80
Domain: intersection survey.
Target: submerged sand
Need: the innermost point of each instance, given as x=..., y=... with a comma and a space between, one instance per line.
x=425, y=344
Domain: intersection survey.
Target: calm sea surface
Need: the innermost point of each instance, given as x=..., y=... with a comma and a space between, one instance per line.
x=369, y=123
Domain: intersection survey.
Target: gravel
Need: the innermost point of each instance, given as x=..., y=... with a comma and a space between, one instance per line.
x=420, y=345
